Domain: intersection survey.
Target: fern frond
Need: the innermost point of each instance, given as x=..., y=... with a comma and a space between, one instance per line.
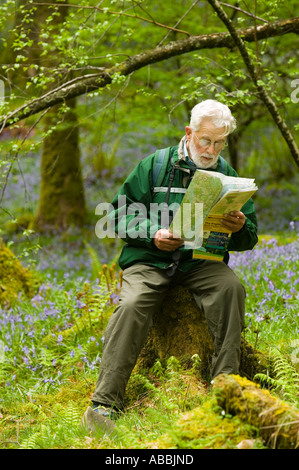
x=286, y=378
x=96, y=265
x=266, y=380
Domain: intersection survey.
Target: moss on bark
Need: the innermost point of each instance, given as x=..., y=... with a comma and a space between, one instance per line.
x=179, y=330
x=277, y=421
x=15, y=280
x=205, y=428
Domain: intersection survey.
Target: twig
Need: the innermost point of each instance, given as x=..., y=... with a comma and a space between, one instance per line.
x=279, y=425
x=17, y=153
x=243, y=11
x=179, y=21
x=256, y=41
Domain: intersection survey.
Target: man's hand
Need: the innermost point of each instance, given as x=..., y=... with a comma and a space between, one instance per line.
x=166, y=241
x=234, y=221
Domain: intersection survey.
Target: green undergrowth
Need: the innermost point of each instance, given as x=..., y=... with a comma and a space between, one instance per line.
x=51, y=345
x=208, y=427
x=171, y=410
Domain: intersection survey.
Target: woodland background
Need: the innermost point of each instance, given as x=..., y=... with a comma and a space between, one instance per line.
x=89, y=88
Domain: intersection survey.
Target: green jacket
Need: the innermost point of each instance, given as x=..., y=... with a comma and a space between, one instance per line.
x=138, y=189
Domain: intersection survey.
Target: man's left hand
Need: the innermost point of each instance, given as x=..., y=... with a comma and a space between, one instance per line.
x=234, y=221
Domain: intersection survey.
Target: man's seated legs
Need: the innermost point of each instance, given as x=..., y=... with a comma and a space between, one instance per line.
x=143, y=290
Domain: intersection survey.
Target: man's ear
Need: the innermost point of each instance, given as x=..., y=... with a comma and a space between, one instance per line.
x=188, y=132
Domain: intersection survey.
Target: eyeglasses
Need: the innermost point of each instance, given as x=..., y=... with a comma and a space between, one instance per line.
x=206, y=143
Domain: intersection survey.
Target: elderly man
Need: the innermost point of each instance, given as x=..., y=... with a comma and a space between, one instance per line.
x=151, y=265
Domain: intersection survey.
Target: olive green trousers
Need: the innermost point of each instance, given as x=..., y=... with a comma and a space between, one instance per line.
x=216, y=289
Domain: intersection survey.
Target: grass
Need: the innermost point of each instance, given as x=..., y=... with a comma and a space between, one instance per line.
x=51, y=350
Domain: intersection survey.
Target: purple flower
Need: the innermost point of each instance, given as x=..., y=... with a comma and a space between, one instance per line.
x=270, y=285
x=36, y=299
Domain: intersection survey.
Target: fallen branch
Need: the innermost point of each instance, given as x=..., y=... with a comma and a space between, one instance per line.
x=278, y=422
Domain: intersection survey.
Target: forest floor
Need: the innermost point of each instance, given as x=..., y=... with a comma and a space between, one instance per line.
x=51, y=351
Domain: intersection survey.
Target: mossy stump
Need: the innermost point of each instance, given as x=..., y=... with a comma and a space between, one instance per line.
x=15, y=280
x=278, y=422
x=180, y=330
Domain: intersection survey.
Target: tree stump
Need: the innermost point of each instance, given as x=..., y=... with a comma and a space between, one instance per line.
x=180, y=330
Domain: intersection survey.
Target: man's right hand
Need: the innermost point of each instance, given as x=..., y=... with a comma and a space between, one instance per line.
x=166, y=241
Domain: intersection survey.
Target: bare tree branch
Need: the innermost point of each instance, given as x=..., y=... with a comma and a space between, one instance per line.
x=262, y=92
x=91, y=82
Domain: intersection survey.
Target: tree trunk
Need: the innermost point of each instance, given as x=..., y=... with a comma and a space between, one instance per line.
x=233, y=147
x=62, y=202
x=278, y=423
x=180, y=330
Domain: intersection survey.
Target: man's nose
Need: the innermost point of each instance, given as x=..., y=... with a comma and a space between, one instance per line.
x=211, y=148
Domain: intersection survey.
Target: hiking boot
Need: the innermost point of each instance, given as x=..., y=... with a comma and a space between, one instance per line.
x=100, y=418
x=106, y=411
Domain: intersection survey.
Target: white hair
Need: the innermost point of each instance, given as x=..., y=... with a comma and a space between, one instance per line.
x=219, y=114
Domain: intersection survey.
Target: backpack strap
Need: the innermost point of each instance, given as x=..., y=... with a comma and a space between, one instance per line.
x=223, y=165
x=160, y=164
x=161, y=158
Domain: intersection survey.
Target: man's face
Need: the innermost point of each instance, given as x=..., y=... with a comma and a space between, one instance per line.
x=205, y=144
